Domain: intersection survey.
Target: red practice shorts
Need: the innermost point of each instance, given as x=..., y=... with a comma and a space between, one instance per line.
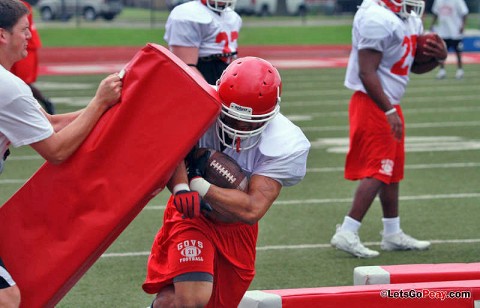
x=374, y=152
x=225, y=250
x=27, y=68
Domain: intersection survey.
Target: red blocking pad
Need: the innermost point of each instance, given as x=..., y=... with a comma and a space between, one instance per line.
x=415, y=273
x=61, y=221
x=448, y=294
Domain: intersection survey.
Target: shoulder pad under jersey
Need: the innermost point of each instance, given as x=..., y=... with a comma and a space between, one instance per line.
x=193, y=11
x=282, y=137
x=378, y=23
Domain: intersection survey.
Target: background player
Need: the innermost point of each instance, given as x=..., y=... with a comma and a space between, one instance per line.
x=204, y=34
x=27, y=68
x=450, y=17
x=383, y=48
x=24, y=122
x=251, y=130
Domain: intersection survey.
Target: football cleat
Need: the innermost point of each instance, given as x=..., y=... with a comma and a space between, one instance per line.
x=441, y=74
x=402, y=241
x=459, y=74
x=349, y=242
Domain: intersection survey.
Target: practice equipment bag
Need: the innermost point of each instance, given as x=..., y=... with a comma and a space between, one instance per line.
x=64, y=217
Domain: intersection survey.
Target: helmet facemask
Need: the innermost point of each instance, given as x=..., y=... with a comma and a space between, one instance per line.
x=403, y=8
x=220, y=5
x=238, y=129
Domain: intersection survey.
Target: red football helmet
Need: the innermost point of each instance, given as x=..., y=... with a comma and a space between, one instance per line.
x=404, y=7
x=219, y=5
x=250, y=91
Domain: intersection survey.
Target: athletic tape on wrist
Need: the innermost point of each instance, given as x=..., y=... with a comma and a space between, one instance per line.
x=391, y=111
x=179, y=187
x=200, y=185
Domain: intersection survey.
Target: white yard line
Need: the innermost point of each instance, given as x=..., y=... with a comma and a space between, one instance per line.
x=419, y=166
x=345, y=200
x=309, y=170
x=296, y=247
x=410, y=126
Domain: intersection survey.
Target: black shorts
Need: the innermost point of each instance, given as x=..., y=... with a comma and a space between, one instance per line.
x=211, y=69
x=6, y=280
x=456, y=45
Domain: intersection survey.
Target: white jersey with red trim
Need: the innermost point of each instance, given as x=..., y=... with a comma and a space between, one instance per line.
x=280, y=154
x=376, y=27
x=450, y=18
x=193, y=24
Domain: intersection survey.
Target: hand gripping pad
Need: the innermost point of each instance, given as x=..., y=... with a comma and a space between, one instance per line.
x=61, y=221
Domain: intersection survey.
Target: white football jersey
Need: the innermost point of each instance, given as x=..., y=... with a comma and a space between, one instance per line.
x=281, y=153
x=193, y=24
x=376, y=27
x=21, y=120
x=450, y=17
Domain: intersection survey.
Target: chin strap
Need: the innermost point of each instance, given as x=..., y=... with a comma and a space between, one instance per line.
x=237, y=143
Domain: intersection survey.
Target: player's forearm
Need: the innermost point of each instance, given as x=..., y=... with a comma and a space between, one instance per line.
x=179, y=177
x=60, y=121
x=374, y=89
x=464, y=22
x=63, y=144
x=234, y=205
x=369, y=62
x=421, y=68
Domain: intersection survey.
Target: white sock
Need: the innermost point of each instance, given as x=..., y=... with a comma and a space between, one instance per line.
x=391, y=225
x=350, y=224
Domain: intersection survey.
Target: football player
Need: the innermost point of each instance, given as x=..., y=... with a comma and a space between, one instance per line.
x=24, y=122
x=450, y=17
x=209, y=259
x=204, y=34
x=383, y=48
x=27, y=68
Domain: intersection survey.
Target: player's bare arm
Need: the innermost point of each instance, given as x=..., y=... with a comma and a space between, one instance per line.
x=233, y=205
x=62, y=144
x=369, y=61
x=189, y=55
x=179, y=177
x=59, y=121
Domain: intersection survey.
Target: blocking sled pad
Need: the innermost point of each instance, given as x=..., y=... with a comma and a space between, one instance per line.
x=61, y=221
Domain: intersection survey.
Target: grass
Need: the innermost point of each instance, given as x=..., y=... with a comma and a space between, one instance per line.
x=440, y=192
x=306, y=35
x=135, y=27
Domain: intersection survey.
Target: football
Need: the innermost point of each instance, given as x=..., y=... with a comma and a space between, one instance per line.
x=420, y=57
x=223, y=171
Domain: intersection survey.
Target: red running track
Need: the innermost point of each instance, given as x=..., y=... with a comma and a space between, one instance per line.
x=103, y=60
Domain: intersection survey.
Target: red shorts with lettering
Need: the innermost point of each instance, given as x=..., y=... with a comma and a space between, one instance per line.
x=374, y=152
x=226, y=251
x=27, y=68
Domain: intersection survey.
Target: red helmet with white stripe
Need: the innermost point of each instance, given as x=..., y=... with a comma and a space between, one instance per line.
x=404, y=7
x=250, y=91
x=219, y=5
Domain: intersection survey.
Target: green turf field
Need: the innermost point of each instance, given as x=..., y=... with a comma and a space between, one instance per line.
x=440, y=195
x=135, y=27
x=279, y=35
